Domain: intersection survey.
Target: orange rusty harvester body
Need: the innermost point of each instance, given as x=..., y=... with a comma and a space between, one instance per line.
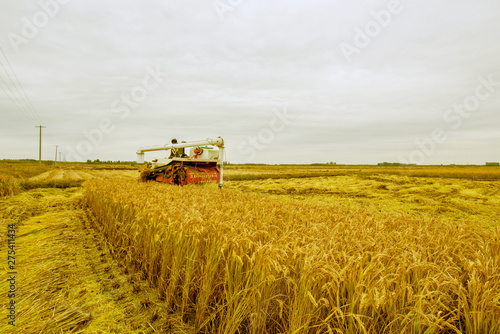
x=185, y=173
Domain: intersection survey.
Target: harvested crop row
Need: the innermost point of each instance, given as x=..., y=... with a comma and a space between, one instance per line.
x=231, y=262
x=256, y=172
x=9, y=185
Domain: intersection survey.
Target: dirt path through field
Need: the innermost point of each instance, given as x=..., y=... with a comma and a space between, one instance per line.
x=66, y=279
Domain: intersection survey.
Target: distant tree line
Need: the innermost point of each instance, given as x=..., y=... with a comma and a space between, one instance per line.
x=97, y=161
x=394, y=164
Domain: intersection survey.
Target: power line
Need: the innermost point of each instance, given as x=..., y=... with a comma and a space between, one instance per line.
x=16, y=102
x=19, y=88
x=26, y=98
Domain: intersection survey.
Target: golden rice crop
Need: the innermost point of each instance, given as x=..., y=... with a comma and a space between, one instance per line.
x=9, y=186
x=453, y=199
x=11, y=175
x=22, y=170
x=255, y=172
x=233, y=262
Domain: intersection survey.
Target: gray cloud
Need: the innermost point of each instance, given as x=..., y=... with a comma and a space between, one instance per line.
x=229, y=77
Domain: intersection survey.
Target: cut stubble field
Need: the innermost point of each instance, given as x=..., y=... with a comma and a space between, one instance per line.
x=281, y=249
x=454, y=199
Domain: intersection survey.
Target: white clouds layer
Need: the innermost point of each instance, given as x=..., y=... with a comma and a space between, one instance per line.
x=229, y=77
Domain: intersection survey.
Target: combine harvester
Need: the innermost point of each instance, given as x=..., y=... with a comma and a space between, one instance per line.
x=203, y=164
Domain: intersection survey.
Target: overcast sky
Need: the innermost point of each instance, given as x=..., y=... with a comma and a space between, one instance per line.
x=282, y=82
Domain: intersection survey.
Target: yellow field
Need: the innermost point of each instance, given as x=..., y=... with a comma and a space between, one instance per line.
x=281, y=249
x=291, y=171
x=454, y=199
x=67, y=280
x=18, y=176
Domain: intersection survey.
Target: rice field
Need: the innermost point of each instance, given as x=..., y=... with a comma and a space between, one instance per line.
x=255, y=172
x=455, y=199
x=234, y=262
x=16, y=177
x=281, y=249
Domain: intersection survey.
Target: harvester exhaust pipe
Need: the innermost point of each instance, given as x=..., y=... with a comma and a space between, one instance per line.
x=140, y=158
x=221, y=164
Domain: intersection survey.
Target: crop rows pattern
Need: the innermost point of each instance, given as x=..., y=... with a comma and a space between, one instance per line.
x=234, y=262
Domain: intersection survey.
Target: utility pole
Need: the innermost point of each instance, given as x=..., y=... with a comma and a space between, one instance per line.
x=55, y=160
x=60, y=156
x=40, y=145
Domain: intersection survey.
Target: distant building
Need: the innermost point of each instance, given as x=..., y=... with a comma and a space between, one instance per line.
x=493, y=164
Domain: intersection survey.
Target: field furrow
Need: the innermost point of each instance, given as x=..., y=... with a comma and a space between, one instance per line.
x=67, y=281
